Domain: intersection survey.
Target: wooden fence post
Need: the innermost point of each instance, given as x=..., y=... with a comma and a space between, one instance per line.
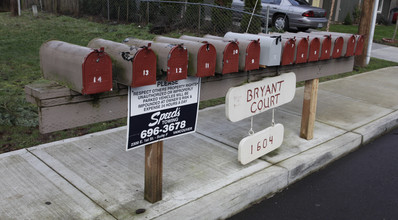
x=153, y=172
x=309, y=109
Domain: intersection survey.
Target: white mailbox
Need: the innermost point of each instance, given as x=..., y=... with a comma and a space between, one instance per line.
x=271, y=47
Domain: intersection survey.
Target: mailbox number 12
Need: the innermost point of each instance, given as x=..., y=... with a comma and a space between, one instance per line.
x=179, y=70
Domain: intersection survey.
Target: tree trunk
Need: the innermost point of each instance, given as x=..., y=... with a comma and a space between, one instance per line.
x=14, y=7
x=330, y=15
x=365, y=23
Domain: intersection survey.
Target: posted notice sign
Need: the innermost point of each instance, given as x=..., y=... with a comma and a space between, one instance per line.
x=162, y=111
x=253, y=98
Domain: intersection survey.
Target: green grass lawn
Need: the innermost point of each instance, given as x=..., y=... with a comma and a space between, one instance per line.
x=20, y=40
x=381, y=31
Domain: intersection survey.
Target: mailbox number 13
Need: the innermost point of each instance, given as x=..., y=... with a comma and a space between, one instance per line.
x=207, y=65
x=145, y=72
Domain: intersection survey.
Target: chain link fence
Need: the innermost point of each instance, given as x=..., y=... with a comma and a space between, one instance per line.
x=166, y=16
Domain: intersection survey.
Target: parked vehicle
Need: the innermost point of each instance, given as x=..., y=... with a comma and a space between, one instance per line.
x=285, y=14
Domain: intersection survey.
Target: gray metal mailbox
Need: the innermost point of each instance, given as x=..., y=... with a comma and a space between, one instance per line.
x=227, y=53
x=82, y=69
x=271, y=47
x=132, y=66
x=202, y=56
x=249, y=52
x=171, y=59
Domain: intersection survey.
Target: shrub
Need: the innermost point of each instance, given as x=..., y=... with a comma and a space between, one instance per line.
x=356, y=14
x=347, y=20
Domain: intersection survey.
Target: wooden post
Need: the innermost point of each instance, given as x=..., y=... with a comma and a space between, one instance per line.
x=309, y=109
x=364, y=29
x=153, y=172
x=330, y=16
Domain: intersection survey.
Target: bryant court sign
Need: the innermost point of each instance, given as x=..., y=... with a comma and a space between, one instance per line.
x=254, y=98
x=161, y=111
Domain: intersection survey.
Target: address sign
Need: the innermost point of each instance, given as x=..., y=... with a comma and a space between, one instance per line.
x=254, y=98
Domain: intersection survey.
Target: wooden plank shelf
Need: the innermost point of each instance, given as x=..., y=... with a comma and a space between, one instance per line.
x=61, y=108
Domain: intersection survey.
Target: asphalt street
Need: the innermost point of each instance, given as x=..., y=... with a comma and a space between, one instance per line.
x=362, y=185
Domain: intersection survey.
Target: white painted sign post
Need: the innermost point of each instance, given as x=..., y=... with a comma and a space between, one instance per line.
x=257, y=97
x=254, y=98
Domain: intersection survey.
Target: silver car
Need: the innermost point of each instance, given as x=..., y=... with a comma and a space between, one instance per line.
x=285, y=14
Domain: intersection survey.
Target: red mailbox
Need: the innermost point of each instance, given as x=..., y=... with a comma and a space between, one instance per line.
x=349, y=42
x=84, y=70
x=314, y=49
x=171, y=59
x=202, y=56
x=132, y=66
x=337, y=43
x=249, y=52
x=359, y=45
x=326, y=47
x=337, y=46
x=301, y=55
x=227, y=53
x=288, y=51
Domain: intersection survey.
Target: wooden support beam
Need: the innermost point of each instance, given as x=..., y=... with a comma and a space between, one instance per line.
x=61, y=108
x=309, y=109
x=153, y=171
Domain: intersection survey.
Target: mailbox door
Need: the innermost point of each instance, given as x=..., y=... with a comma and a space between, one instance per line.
x=338, y=47
x=231, y=58
x=274, y=51
x=206, y=61
x=326, y=48
x=350, y=46
x=97, y=73
x=302, y=51
x=359, y=46
x=177, y=64
x=289, y=48
x=315, y=47
x=144, y=68
x=252, y=59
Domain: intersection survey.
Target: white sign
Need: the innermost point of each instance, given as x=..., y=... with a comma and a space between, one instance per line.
x=254, y=98
x=260, y=143
x=157, y=112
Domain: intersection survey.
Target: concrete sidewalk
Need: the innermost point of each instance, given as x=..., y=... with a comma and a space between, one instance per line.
x=384, y=52
x=92, y=177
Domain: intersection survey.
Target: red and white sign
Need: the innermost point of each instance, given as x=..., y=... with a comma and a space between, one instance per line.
x=260, y=143
x=257, y=97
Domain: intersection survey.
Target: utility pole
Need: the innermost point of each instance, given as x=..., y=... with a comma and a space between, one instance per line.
x=364, y=29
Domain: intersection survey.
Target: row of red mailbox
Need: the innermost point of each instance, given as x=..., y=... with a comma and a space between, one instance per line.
x=137, y=62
